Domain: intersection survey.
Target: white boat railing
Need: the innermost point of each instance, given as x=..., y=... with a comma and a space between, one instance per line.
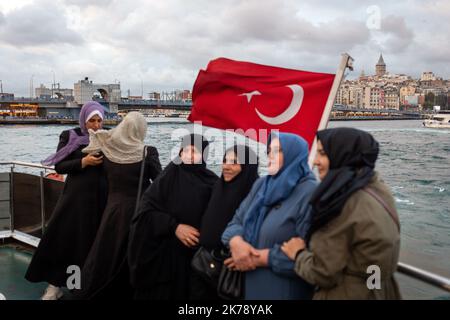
x=13, y=165
x=26, y=164
x=430, y=278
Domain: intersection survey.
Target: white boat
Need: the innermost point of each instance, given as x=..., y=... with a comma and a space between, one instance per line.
x=165, y=119
x=441, y=121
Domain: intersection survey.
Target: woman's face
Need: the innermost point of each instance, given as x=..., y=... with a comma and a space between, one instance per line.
x=275, y=157
x=230, y=167
x=191, y=155
x=321, y=161
x=94, y=123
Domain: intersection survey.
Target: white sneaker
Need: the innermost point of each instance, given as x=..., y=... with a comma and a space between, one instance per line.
x=52, y=293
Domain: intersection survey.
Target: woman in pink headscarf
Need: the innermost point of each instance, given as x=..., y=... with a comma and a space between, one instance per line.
x=75, y=220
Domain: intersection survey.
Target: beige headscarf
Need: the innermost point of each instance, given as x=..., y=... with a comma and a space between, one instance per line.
x=123, y=144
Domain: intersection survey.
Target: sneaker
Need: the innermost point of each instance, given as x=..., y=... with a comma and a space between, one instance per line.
x=52, y=293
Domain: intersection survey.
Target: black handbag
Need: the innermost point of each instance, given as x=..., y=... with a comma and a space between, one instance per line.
x=231, y=284
x=208, y=265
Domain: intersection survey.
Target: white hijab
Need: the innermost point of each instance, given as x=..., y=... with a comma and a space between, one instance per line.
x=124, y=144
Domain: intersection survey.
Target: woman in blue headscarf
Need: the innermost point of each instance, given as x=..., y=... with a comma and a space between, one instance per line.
x=276, y=208
x=76, y=217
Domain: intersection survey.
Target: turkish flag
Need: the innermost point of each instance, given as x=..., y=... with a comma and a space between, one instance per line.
x=247, y=96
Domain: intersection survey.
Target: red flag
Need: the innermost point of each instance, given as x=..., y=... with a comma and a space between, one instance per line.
x=242, y=95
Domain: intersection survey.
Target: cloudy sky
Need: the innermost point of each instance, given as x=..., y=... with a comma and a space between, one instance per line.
x=163, y=44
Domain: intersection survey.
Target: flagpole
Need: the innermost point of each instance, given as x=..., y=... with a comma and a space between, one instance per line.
x=346, y=62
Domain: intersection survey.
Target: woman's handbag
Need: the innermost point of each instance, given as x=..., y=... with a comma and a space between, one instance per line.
x=208, y=264
x=231, y=284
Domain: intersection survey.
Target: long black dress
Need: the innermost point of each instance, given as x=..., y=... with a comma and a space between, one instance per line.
x=75, y=220
x=225, y=200
x=105, y=273
x=160, y=263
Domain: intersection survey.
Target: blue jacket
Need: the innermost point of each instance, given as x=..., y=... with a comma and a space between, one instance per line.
x=289, y=218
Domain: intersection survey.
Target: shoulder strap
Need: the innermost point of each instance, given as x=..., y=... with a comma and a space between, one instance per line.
x=391, y=212
x=141, y=178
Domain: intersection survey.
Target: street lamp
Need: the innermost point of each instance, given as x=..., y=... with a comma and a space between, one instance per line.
x=31, y=86
x=53, y=84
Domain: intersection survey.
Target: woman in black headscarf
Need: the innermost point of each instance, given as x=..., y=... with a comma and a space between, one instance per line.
x=239, y=172
x=355, y=224
x=165, y=230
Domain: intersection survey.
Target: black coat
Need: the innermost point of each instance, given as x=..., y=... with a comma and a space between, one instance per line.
x=159, y=262
x=75, y=219
x=105, y=273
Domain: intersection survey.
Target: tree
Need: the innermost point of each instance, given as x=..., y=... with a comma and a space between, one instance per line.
x=429, y=101
x=442, y=100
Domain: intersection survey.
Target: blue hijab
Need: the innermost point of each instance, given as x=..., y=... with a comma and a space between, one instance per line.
x=276, y=188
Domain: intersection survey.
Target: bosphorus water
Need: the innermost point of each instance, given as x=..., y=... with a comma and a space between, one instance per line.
x=414, y=161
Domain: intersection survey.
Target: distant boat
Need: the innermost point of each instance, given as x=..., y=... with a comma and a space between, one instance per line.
x=176, y=115
x=166, y=118
x=440, y=121
x=173, y=115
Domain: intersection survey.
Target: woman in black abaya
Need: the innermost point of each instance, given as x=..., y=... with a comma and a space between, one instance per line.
x=165, y=231
x=239, y=172
x=76, y=217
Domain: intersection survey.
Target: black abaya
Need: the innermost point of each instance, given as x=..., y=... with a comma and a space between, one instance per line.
x=225, y=200
x=75, y=220
x=105, y=273
x=159, y=262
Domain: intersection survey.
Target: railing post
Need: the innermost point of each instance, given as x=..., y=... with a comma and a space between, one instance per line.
x=11, y=201
x=41, y=183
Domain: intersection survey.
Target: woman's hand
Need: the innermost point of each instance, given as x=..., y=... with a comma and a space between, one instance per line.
x=291, y=247
x=187, y=234
x=91, y=160
x=262, y=260
x=243, y=255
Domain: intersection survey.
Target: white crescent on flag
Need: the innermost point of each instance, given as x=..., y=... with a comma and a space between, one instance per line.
x=286, y=115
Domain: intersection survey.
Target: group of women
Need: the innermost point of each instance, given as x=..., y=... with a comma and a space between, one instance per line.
x=291, y=236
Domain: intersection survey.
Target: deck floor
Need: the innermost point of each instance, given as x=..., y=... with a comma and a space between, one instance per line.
x=14, y=261
x=13, y=266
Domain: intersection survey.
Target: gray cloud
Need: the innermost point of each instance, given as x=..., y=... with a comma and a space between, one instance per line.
x=37, y=24
x=165, y=43
x=399, y=36
x=82, y=3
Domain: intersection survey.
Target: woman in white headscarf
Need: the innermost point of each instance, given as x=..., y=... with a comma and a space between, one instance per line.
x=105, y=273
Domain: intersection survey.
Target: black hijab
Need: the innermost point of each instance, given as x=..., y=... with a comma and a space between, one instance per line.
x=352, y=154
x=182, y=183
x=227, y=196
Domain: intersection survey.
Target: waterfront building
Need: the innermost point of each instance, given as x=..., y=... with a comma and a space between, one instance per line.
x=373, y=97
x=42, y=92
x=85, y=90
x=391, y=98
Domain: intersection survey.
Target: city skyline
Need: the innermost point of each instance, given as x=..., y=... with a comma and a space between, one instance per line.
x=160, y=46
